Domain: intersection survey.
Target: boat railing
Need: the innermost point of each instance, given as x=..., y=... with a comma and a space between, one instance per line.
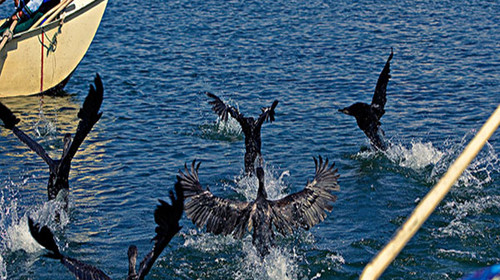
x=51, y=14
x=424, y=209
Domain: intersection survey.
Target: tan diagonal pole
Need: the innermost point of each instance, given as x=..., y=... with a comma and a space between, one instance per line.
x=49, y=16
x=5, y=39
x=424, y=209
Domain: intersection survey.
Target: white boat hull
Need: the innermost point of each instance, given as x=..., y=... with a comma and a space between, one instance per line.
x=41, y=59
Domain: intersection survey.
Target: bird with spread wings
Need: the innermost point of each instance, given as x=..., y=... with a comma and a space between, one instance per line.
x=251, y=127
x=368, y=116
x=59, y=168
x=303, y=209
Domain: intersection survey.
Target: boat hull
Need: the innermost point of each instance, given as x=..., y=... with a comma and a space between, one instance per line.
x=44, y=58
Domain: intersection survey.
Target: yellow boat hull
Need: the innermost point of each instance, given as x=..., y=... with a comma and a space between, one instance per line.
x=44, y=58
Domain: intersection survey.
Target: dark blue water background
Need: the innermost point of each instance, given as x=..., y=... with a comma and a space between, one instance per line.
x=156, y=58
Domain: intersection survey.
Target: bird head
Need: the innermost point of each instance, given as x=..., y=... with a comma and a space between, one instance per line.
x=261, y=192
x=353, y=110
x=132, y=259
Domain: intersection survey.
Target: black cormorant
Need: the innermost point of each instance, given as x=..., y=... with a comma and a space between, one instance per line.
x=167, y=219
x=250, y=127
x=223, y=216
x=59, y=169
x=368, y=116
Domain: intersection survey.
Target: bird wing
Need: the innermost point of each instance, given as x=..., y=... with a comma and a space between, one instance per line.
x=167, y=218
x=44, y=236
x=89, y=115
x=223, y=110
x=83, y=271
x=307, y=208
x=221, y=216
x=267, y=113
x=379, y=98
x=10, y=121
x=8, y=118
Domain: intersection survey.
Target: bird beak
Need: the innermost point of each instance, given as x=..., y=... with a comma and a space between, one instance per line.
x=345, y=111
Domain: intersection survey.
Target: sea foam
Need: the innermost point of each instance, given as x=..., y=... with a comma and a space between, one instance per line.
x=279, y=264
x=14, y=220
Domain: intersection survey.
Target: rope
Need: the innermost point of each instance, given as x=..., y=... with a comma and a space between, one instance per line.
x=52, y=43
x=424, y=209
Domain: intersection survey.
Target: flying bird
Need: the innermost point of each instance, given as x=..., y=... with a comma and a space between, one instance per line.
x=303, y=209
x=368, y=116
x=167, y=219
x=251, y=127
x=59, y=168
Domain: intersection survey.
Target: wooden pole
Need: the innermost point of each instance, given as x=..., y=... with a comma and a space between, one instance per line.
x=423, y=210
x=51, y=13
x=59, y=10
x=6, y=39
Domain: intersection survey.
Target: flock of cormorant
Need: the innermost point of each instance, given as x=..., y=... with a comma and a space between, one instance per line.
x=262, y=216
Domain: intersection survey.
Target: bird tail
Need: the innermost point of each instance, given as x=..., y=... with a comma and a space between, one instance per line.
x=8, y=118
x=44, y=237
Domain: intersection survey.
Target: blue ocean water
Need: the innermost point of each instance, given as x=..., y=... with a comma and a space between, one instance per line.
x=157, y=58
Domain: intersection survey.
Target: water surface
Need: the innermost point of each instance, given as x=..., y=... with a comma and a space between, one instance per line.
x=157, y=58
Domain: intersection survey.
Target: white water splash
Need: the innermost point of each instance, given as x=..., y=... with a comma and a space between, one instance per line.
x=461, y=226
x=43, y=126
x=472, y=207
x=336, y=259
x=477, y=174
x=416, y=157
x=220, y=130
x=422, y=157
x=3, y=270
x=229, y=130
x=419, y=156
x=208, y=243
x=17, y=235
x=275, y=186
x=14, y=229
x=457, y=253
x=279, y=264
x=230, y=127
